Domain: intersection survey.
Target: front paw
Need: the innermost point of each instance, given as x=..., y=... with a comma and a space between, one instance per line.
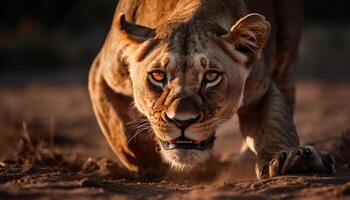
x=303, y=160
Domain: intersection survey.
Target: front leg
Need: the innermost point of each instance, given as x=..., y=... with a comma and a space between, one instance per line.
x=269, y=131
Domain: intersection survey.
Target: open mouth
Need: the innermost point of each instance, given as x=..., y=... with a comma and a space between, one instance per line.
x=186, y=143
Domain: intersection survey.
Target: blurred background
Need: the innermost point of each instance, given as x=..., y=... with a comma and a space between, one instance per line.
x=45, y=37
x=46, y=48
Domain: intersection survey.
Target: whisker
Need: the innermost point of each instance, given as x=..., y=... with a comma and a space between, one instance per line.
x=137, y=132
x=141, y=124
x=133, y=122
x=150, y=134
x=137, y=122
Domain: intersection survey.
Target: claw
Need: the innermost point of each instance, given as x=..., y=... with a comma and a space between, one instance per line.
x=282, y=157
x=265, y=170
x=329, y=163
x=329, y=159
x=300, y=152
x=307, y=151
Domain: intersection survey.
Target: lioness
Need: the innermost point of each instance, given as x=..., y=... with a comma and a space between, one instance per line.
x=183, y=67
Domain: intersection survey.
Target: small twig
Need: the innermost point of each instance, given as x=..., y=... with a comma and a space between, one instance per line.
x=52, y=133
x=26, y=135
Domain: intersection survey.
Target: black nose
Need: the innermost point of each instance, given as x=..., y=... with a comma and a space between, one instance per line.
x=183, y=124
x=183, y=112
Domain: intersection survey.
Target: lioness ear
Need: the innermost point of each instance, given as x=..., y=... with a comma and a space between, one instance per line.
x=133, y=33
x=249, y=34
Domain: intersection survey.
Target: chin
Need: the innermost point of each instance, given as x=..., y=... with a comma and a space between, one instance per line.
x=185, y=159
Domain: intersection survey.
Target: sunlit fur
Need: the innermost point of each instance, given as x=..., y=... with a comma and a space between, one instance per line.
x=185, y=49
x=186, y=38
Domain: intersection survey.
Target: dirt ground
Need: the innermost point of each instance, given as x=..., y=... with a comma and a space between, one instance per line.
x=52, y=148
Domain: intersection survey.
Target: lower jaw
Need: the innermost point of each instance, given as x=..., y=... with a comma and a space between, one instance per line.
x=200, y=146
x=185, y=159
x=186, y=156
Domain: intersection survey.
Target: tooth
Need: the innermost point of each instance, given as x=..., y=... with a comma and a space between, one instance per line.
x=172, y=141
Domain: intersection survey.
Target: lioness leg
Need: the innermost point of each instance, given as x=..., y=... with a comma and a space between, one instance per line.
x=270, y=133
x=289, y=20
x=114, y=111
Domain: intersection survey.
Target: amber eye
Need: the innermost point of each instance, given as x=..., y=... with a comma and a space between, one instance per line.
x=211, y=76
x=158, y=76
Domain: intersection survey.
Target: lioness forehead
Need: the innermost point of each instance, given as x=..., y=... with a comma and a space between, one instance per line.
x=192, y=48
x=175, y=62
x=182, y=35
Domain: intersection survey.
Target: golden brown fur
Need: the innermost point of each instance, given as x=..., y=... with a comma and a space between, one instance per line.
x=185, y=39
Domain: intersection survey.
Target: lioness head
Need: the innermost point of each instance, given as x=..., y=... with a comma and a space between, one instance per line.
x=188, y=78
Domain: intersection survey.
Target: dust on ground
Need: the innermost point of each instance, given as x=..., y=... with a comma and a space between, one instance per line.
x=51, y=147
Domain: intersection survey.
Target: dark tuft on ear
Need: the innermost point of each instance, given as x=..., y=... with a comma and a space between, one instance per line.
x=133, y=32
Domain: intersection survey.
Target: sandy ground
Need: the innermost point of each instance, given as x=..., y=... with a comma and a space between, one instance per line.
x=51, y=147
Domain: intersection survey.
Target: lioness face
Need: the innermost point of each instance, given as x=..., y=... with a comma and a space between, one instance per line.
x=186, y=97
x=187, y=86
